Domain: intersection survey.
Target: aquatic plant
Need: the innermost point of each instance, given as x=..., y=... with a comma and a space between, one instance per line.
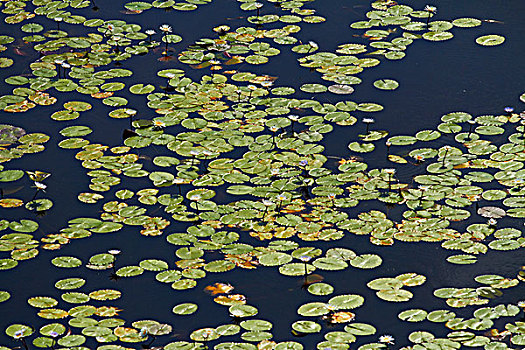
x=229, y=166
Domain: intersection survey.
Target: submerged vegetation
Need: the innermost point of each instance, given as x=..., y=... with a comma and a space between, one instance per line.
x=236, y=163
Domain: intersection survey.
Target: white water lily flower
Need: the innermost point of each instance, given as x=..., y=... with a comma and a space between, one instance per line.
x=159, y=123
x=386, y=339
x=267, y=202
x=430, y=8
x=143, y=332
x=40, y=186
x=390, y=171
x=166, y=28
x=18, y=334
x=331, y=307
x=195, y=197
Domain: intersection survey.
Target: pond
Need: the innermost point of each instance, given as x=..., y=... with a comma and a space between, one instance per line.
x=262, y=175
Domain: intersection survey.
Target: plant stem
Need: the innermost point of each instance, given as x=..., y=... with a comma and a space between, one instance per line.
x=24, y=343
x=444, y=157
x=305, y=273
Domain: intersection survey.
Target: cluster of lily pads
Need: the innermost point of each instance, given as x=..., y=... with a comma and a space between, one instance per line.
x=236, y=164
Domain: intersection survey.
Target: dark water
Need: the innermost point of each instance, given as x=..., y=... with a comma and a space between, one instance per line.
x=435, y=79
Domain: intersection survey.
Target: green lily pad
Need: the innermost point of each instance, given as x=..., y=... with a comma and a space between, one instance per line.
x=346, y=301
x=42, y=302
x=361, y=147
x=4, y=295
x=22, y=329
x=462, y=259
x=366, y=261
x=66, y=261
x=438, y=36
x=185, y=309
x=490, y=40
x=256, y=325
x=320, y=289
x=242, y=310
x=141, y=89
x=70, y=283
x=313, y=88
x=356, y=328
x=306, y=327
x=10, y=175
x=130, y=271
x=413, y=315
x=313, y=309
x=153, y=265
x=395, y=295
x=386, y=84
x=466, y=22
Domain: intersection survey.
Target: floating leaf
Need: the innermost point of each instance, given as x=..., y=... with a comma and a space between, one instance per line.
x=413, y=315
x=70, y=283
x=306, y=327
x=4, y=295
x=366, y=261
x=242, y=310
x=320, y=289
x=396, y=295
x=66, y=261
x=42, y=302
x=386, y=84
x=490, y=40
x=462, y=259
x=360, y=329
x=466, y=22
x=130, y=271
x=185, y=309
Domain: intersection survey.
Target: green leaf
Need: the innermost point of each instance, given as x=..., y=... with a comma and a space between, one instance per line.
x=386, y=84
x=490, y=40
x=185, y=309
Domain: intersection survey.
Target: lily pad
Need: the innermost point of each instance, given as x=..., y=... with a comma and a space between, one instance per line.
x=386, y=84
x=490, y=40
